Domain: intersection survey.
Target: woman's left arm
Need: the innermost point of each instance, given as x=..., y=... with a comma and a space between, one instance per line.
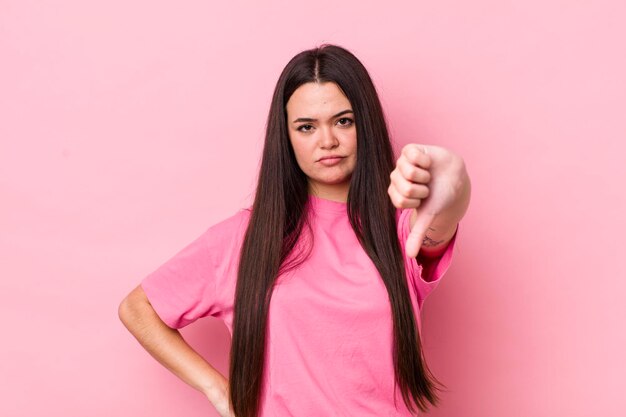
x=444, y=224
x=434, y=182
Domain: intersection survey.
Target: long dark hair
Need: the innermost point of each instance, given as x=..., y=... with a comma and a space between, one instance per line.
x=277, y=220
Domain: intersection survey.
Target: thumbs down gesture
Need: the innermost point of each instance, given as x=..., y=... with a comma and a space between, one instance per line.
x=432, y=180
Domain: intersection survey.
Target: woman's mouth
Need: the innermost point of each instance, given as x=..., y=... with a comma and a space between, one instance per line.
x=331, y=161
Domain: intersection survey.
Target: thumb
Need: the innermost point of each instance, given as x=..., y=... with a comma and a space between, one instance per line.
x=418, y=232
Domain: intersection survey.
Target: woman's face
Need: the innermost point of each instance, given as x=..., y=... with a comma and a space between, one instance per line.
x=320, y=123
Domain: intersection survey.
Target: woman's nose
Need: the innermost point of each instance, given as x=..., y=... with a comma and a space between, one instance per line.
x=328, y=138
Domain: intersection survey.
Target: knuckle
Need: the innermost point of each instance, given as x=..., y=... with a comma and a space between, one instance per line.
x=416, y=174
x=406, y=190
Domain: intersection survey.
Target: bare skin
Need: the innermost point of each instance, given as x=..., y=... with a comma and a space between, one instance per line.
x=320, y=123
x=169, y=348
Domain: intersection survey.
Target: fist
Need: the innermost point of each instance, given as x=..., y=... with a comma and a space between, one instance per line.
x=426, y=178
x=410, y=178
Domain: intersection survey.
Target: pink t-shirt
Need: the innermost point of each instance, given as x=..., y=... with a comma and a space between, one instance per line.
x=329, y=325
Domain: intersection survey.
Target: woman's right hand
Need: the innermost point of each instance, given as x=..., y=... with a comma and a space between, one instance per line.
x=220, y=398
x=168, y=346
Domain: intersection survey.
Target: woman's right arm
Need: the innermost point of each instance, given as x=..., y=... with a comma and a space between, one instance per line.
x=169, y=348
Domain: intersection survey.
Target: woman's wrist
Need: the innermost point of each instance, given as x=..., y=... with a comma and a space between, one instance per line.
x=217, y=390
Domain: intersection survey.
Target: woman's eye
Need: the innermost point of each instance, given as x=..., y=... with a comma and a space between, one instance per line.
x=303, y=130
x=346, y=122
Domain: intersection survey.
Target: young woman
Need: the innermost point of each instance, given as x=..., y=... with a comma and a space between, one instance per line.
x=322, y=279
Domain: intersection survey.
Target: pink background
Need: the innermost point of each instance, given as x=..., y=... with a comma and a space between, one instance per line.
x=127, y=128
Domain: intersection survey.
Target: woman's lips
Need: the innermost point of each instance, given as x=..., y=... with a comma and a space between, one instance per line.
x=331, y=161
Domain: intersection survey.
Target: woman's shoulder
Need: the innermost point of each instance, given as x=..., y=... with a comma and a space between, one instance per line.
x=233, y=223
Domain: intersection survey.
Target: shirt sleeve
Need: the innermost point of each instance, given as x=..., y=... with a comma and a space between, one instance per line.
x=424, y=276
x=188, y=286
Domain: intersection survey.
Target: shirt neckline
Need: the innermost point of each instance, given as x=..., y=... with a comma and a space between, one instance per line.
x=328, y=206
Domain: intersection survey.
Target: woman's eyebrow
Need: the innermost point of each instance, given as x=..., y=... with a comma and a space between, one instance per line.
x=308, y=119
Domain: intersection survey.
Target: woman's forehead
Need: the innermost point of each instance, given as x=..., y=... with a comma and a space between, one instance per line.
x=315, y=100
